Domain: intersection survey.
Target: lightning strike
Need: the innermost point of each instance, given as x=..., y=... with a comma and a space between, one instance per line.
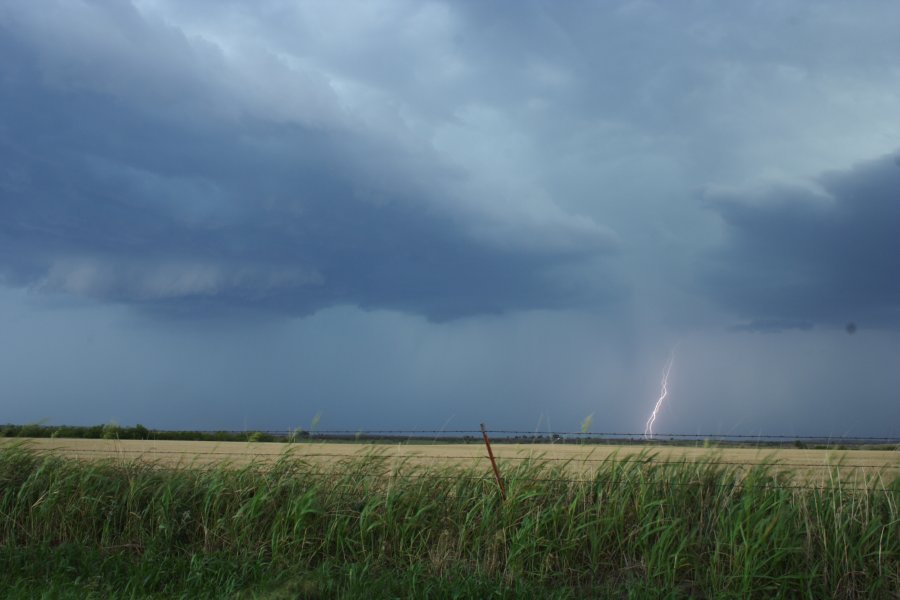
x=664, y=391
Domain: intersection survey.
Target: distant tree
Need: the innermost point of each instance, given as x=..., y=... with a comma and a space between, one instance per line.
x=142, y=431
x=111, y=431
x=32, y=430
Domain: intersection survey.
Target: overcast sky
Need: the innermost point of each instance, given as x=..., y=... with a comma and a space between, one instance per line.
x=235, y=213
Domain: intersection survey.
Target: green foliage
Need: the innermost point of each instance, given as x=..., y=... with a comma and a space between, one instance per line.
x=586, y=424
x=111, y=431
x=30, y=430
x=358, y=528
x=139, y=432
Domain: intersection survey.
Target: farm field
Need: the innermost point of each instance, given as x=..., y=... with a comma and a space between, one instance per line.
x=579, y=460
x=163, y=519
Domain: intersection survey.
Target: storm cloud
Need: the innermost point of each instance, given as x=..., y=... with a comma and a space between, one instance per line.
x=401, y=213
x=148, y=169
x=825, y=251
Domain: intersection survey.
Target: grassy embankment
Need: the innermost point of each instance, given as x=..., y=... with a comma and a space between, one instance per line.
x=365, y=528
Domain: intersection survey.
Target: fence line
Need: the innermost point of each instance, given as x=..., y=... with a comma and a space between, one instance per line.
x=435, y=458
x=596, y=480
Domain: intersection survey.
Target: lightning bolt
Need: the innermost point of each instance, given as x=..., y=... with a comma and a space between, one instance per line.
x=664, y=391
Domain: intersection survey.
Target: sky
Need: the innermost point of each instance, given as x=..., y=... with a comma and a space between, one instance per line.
x=240, y=214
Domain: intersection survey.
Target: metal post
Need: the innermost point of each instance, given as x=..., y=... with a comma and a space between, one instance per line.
x=487, y=443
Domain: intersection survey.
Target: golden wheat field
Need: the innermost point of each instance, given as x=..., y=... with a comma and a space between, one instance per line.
x=580, y=460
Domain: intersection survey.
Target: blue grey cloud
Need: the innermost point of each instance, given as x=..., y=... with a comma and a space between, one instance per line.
x=137, y=169
x=399, y=212
x=826, y=251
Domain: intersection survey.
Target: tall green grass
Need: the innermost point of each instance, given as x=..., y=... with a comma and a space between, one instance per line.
x=367, y=528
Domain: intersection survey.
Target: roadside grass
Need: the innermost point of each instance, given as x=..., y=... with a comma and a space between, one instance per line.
x=373, y=528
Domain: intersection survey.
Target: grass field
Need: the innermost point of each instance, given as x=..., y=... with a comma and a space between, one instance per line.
x=135, y=519
x=579, y=460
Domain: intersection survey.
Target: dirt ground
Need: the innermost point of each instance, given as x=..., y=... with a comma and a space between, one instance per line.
x=815, y=465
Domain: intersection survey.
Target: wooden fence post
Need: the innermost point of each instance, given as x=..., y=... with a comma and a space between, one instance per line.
x=487, y=443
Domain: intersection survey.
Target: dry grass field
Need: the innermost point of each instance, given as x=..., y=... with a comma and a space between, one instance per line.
x=580, y=460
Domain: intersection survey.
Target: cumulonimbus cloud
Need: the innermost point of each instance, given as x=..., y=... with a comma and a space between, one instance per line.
x=146, y=166
x=826, y=251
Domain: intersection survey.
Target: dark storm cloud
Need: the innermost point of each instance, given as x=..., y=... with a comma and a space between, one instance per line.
x=139, y=166
x=389, y=165
x=826, y=252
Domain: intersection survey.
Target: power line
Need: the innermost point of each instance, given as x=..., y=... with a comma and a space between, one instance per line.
x=533, y=434
x=520, y=433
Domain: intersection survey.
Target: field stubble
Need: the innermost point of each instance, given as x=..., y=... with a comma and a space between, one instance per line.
x=809, y=466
